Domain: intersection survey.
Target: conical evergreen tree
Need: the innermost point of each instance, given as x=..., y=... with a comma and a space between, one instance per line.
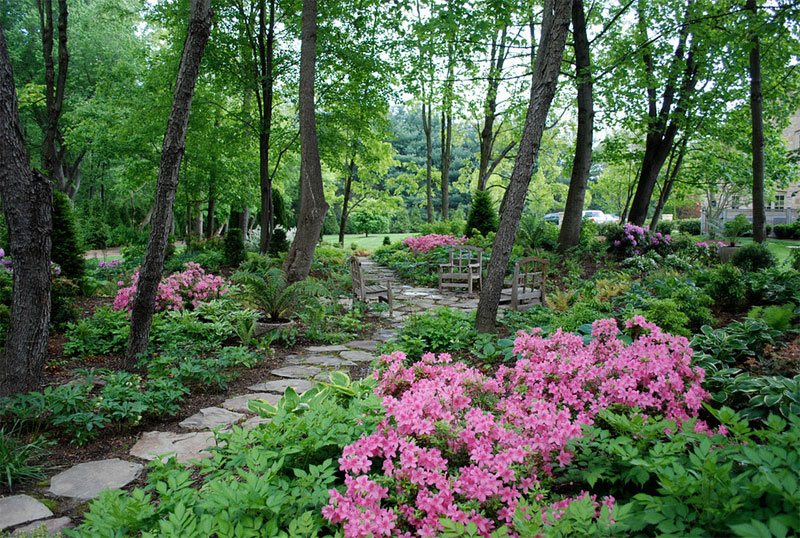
x=482, y=214
x=67, y=251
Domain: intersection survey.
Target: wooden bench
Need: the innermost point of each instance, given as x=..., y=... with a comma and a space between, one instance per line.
x=527, y=286
x=464, y=269
x=365, y=289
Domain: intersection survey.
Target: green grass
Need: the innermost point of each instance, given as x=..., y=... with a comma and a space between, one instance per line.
x=778, y=247
x=369, y=243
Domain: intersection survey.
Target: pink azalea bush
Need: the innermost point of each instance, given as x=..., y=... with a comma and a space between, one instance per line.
x=178, y=291
x=426, y=243
x=460, y=444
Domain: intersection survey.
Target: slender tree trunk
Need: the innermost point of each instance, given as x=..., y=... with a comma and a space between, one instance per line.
x=426, y=127
x=266, y=58
x=555, y=21
x=212, y=198
x=312, y=196
x=28, y=206
x=570, y=233
x=757, y=122
x=171, y=154
x=497, y=59
x=447, y=133
x=348, y=185
x=673, y=169
x=55, y=84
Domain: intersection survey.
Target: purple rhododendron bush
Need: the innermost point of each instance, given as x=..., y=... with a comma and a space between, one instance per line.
x=178, y=291
x=467, y=446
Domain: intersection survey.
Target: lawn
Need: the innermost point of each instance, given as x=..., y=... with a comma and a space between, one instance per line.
x=369, y=243
x=779, y=247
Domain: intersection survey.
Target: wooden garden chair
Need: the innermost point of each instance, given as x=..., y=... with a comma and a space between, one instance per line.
x=527, y=286
x=365, y=288
x=463, y=270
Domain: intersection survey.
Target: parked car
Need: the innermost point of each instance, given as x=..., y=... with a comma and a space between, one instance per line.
x=555, y=218
x=598, y=217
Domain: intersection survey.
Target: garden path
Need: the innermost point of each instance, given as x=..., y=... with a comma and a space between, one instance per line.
x=84, y=481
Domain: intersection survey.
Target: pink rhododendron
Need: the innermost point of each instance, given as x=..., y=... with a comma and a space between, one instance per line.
x=178, y=291
x=460, y=444
x=426, y=243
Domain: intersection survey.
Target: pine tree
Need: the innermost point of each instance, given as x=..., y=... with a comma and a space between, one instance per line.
x=482, y=214
x=67, y=251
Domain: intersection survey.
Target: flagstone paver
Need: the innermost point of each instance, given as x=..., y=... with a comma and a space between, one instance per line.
x=86, y=480
x=358, y=355
x=209, y=418
x=366, y=345
x=326, y=349
x=279, y=385
x=296, y=371
x=18, y=509
x=327, y=361
x=51, y=527
x=239, y=403
x=184, y=446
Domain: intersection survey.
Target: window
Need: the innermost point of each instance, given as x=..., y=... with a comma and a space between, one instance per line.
x=780, y=201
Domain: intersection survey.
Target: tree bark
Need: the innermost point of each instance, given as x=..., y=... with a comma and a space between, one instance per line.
x=757, y=123
x=497, y=57
x=266, y=59
x=171, y=154
x=570, y=234
x=55, y=85
x=28, y=206
x=348, y=186
x=555, y=21
x=312, y=196
x=427, y=128
x=673, y=169
x=446, y=129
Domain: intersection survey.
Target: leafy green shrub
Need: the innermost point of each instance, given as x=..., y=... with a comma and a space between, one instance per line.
x=666, y=314
x=753, y=257
x=794, y=259
x=66, y=250
x=482, y=214
x=106, y=331
x=664, y=227
x=275, y=297
x=727, y=287
x=234, y=247
x=278, y=243
x=738, y=227
x=535, y=233
x=777, y=317
x=688, y=226
x=786, y=231
x=437, y=331
x=735, y=343
x=773, y=286
x=387, y=241
x=454, y=227
x=689, y=299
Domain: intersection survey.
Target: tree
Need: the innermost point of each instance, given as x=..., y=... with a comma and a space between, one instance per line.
x=570, y=233
x=312, y=195
x=552, y=40
x=482, y=214
x=757, y=125
x=66, y=252
x=27, y=204
x=167, y=185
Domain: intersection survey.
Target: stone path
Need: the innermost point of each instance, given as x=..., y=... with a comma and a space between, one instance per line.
x=84, y=481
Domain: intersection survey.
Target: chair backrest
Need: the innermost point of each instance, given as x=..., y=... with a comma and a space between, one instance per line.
x=530, y=274
x=461, y=257
x=357, y=276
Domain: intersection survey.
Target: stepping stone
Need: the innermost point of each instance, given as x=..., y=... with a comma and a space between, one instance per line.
x=51, y=527
x=325, y=349
x=328, y=361
x=18, y=509
x=366, y=345
x=385, y=334
x=86, y=480
x=209, y=418
x=279, y=386
x=358, y=356
x=296, y=371
x=184, y=446
x=239, y=403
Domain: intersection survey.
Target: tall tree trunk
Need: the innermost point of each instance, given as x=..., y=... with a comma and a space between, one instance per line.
x=497, y=57
x=757, y=122
x=446, y=128
x=55, y=85
x=427, y=128
x=312, y=196
x=570, y=233
x=555, y=21
x=348, y=186
x=28, y=207
x=266, y=58
x=171, y=154
x=212, y=199
x=673, y=169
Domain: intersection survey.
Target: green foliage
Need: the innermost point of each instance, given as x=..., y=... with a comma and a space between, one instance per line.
x=738, y=227
x=106, y=331
x=776, y=317
x=20, y=461
x=670, y=480
x=727, y=287
x=535, y=233
x=482, y=215
x=272, y=480
x=387, y=241
x=687, y=226
x=753, y=257
x=234, y=247
x=773, y=286
x=277, y=299
x=278, y=243
x=369, y=221
x=66, y=250
x=666, y=314
x=438, y=331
